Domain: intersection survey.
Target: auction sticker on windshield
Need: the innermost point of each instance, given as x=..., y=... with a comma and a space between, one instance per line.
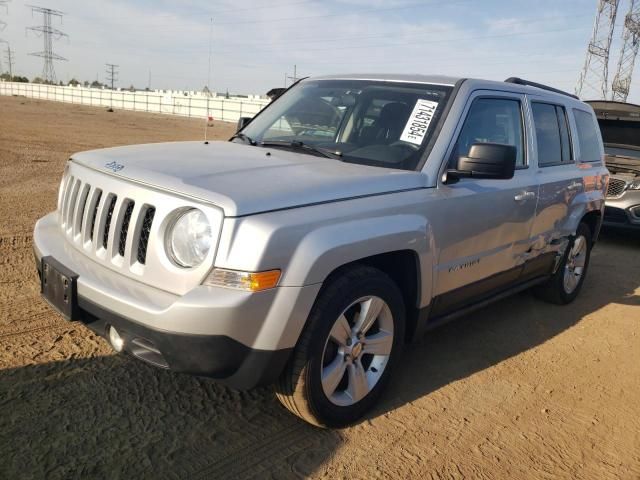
x=419, y=121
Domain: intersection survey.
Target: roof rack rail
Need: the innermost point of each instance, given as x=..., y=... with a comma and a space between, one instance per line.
x=521, y=81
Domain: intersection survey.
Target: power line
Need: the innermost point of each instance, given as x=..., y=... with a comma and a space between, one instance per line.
x=429, y=41
x=344, y=14
x=333, y=39
x=48, y=33
x=112, y=74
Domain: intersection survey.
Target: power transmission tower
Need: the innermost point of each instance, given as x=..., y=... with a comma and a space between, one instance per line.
x=10, y=61
x=112, y=74
x=3, y=3
x=48, y=33
x=628, y=53
x=594, y=77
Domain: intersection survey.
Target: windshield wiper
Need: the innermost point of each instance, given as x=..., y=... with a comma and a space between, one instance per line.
x=298, y=145
x=244, y=137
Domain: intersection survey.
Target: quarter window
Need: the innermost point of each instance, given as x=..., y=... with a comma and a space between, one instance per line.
x=587, y=137
x=491, y=120
x=552, y=134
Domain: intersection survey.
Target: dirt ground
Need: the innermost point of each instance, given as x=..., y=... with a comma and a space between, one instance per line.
x=518, y=390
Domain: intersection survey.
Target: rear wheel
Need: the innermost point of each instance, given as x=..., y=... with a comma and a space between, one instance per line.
x=347, y=350
x=565, y=285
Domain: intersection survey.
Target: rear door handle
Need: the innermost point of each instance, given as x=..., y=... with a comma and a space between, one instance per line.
x=524, y=196
x=575, y=186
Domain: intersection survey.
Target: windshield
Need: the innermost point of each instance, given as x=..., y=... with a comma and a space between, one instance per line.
x=622, y=151
x=384, y=124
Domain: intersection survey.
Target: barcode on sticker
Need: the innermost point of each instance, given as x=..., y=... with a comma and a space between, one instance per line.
x=419, y=121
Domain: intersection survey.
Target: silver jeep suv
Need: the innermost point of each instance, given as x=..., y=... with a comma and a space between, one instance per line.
x=350, y=216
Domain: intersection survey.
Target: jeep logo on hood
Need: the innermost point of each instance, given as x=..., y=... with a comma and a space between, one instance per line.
x=114, y=167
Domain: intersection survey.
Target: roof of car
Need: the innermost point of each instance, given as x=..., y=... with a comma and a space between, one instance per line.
x=520, y=85
x=394, y=77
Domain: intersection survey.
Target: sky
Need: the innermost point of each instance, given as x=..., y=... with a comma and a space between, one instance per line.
x=256, y=43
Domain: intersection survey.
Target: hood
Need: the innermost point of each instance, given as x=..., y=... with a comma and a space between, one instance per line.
x=244, y=179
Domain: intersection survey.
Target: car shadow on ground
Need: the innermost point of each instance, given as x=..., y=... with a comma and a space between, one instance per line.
x=114, y=417
x=507, y=328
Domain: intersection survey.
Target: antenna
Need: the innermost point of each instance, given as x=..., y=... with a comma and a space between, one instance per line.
x=295, y=77
x=207, y=89
x=48, y=33
x=628, y=53
x=594, y=76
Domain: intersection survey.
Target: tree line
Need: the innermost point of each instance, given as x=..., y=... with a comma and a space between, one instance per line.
x=73, y=82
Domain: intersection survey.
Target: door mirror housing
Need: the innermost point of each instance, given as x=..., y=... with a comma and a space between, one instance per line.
x=487, y=161
x=242, y=122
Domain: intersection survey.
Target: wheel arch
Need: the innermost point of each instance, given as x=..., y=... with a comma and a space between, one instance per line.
x=593, y=219
x=403, y=267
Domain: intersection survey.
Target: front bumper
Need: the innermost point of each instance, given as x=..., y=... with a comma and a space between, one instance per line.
x=624, y=211
x=241, y=338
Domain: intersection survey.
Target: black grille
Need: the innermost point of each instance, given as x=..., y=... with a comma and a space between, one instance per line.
x=144, y=234
x=616, y=187
x=107, y=223
x=95, y=214
x=616, y=215
x=125, y=227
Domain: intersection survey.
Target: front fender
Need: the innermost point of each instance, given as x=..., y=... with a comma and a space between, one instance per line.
x=329, y=247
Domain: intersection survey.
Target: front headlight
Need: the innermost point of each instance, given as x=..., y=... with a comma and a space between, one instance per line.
x=189, y=238
x=635, y=185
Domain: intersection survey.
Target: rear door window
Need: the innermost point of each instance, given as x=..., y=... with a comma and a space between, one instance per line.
x=552, y=134
x=587, y=136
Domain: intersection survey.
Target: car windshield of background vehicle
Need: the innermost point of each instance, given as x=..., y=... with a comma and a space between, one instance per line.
x=383, y=124
x=622, y=152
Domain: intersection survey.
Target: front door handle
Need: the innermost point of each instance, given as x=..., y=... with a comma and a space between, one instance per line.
x=575, y=186
x=524, y=196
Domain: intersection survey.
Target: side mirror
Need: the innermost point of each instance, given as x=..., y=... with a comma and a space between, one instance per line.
x=488, y=161
x=242, y=122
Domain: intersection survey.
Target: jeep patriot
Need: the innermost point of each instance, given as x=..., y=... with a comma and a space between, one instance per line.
x=351, y=215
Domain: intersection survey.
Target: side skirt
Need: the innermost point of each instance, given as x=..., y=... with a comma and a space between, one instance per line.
x=434, y=322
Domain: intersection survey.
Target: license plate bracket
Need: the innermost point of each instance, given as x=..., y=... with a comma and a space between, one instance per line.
x=59, y=287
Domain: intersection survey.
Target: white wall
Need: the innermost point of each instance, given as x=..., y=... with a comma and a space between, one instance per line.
x=187, y=104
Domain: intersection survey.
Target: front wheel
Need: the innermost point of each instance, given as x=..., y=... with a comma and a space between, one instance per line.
x=345, y=355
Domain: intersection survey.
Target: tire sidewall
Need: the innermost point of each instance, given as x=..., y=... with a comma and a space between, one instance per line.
x=583, y=230
x=337, y=299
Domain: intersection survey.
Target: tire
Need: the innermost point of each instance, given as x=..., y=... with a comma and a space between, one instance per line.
x=328, y=346
x=556, y=290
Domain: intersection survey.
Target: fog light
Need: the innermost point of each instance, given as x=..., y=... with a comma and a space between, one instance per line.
x=115, y=339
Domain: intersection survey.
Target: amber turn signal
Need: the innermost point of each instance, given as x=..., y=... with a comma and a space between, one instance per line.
x=249, y=281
